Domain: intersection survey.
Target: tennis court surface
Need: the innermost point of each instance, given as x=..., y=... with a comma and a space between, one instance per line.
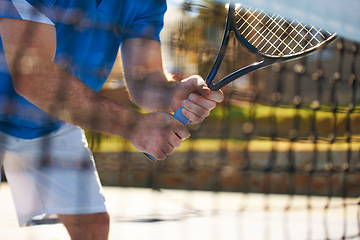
x=138, y=213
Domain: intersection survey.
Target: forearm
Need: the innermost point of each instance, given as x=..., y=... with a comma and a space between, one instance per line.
x=62, y=95
x=153, y=93
x=144, y=74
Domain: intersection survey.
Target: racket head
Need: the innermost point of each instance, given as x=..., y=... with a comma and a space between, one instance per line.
x=273, y=37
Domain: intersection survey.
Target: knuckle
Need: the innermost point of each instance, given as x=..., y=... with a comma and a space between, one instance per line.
x=157, y=142
x=197, y=77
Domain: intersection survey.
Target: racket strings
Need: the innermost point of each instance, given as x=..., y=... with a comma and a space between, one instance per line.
x=261, y=40
x=274, y=35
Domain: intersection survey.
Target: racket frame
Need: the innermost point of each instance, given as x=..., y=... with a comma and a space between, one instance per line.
x=267, y=61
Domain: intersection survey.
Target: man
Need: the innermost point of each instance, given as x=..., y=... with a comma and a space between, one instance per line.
x=54, y=56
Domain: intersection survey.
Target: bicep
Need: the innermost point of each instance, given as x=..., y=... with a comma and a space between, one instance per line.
x=26, y=42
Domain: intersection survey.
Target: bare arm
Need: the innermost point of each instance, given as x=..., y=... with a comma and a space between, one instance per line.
x=30, y=49
x=144, y=74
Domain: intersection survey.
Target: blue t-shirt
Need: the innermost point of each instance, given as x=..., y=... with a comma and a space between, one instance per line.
x=89, y=34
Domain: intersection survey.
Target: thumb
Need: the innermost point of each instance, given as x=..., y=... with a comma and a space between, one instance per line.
x=200, y=85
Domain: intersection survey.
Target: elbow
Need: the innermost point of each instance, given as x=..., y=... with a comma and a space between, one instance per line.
x=21, y=69
x=17, y=81
x=136, y=94
x=137, y=100
x=20, y=85
x=27, y=75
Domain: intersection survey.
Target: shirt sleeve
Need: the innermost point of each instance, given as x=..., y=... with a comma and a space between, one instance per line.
x=31, y=10
x=149, y=20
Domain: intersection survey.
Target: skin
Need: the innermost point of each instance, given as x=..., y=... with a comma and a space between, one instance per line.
x=37, y=78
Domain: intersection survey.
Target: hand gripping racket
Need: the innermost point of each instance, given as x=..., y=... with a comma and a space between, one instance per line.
x=269, y=37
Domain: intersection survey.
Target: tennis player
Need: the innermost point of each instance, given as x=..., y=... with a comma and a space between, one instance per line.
x=54, y=57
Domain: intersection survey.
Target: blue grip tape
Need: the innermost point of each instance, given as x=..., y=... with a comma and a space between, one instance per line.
x=179, y=116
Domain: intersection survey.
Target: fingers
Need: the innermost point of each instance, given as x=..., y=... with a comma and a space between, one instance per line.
x=162, y=137
x=196, y=110
x=202, y=101
x=165, y=146
x=173, y=141
x=198, y=105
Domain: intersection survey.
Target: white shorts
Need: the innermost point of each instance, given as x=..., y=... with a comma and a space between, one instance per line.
x=54, y=174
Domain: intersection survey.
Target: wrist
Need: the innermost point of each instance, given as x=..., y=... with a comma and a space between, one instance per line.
x=130, y=121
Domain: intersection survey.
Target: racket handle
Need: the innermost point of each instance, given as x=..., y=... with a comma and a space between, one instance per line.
x=178, y=116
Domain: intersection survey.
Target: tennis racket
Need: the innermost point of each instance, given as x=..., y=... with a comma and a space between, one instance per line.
x=269, y=37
